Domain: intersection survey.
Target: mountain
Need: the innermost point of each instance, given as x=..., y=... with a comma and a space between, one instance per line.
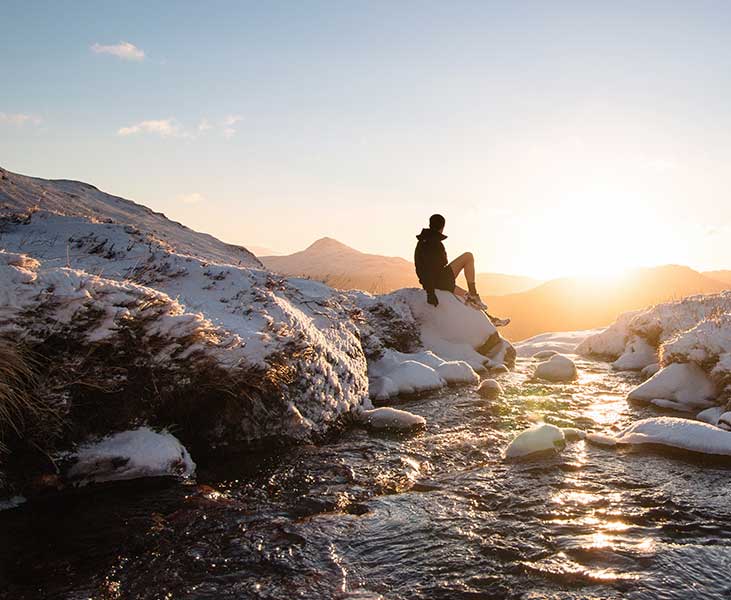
x=343, y=267
x=263, y=250
x=571, y=304
x=724, y=276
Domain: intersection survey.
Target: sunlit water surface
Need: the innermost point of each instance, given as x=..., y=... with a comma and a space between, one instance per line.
x=435, y=515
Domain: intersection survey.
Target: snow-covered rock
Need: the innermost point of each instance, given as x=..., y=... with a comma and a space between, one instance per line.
x=564, y=342
x=573, y=434
x=685, y=434
x=490, y=389
x=391, y=419
x=557, y=368
x=540, y=438
x=724, y=421
x=637, y=355
x=544, y=354
x=679, y=386
x=710, y=415
x=131, y=454
x=650, y=370
x=155, y=315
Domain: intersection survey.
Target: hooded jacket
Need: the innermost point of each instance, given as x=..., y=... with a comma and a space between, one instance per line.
x=430, y=259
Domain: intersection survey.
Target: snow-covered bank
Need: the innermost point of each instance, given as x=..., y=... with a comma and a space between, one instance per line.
x=686, y=344
x=137, y=320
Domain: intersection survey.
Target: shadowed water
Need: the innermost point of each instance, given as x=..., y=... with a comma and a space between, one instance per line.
x=435, y=515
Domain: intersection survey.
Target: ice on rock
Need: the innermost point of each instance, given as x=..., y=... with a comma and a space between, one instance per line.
x=685, y=434
x=490, y=389
x=637, y=355
x=679, y=386
x=131, y=454
x=544, y=354
x=391, y=419
x=540, y=438
x=558, y=368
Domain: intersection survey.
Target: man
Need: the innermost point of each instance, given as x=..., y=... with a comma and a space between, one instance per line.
x=436, y=273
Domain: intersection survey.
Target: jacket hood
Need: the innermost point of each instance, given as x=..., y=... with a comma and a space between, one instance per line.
x=430, y=234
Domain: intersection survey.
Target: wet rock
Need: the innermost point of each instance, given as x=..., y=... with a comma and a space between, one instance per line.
x=489, y=389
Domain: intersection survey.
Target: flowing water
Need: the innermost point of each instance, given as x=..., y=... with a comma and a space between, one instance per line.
x=438, y=514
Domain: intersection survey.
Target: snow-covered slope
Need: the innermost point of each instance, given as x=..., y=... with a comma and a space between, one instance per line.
x=136, y=320
x=22, y=194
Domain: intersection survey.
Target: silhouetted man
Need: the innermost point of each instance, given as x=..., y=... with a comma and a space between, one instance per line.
x=435, y=272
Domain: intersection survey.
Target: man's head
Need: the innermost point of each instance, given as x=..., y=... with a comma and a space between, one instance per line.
x=436, y=222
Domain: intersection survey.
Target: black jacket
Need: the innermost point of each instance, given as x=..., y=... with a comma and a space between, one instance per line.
x=430, y=258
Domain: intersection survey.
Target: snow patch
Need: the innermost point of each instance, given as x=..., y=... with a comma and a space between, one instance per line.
x=564, y=342
x=131, y=454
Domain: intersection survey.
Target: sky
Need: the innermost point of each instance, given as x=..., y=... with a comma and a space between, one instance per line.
x=557, y=138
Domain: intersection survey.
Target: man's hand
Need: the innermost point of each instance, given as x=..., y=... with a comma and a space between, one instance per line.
x=432, y=299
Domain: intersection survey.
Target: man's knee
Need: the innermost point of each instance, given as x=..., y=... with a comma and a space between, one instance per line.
x=468, y=256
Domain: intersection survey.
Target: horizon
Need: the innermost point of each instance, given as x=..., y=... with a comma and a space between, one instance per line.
x=335, y=118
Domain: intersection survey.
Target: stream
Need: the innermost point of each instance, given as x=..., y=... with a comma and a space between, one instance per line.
x=436, y=514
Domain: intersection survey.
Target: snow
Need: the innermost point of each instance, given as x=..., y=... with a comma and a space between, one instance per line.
x=724, y=421
x=685, y=434
x=637, y=355
x=573, y=434
x=131, y=454
x=650, y=370
x=611, y=341
x=539, y=438
x=710, y=415
x=490, y=389
x=392, y=419
x=679, y=386
x=557, y=368
x=564, y=342
x=397, y=373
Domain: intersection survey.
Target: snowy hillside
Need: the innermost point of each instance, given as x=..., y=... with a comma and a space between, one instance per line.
x=135, y=321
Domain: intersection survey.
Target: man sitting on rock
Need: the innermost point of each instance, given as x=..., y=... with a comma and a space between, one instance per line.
x=436, y=273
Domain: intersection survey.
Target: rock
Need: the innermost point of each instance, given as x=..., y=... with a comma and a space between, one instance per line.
x=637, y=355
x=489, y=389
x=499, y=370
x=540, y=438
x=544, y=354
x=710, y=415
x=557, y=368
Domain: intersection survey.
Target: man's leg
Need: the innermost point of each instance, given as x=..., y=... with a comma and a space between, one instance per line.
x=465, y=262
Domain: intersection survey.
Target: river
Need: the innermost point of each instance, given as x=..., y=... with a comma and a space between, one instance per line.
x=438, y=514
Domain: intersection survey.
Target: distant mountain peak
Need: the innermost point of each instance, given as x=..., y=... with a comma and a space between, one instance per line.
x=328, y=244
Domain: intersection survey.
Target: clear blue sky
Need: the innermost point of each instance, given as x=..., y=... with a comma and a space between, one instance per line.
x=556, y=137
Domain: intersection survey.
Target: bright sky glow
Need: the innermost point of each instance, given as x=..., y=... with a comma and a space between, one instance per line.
x=556, y=137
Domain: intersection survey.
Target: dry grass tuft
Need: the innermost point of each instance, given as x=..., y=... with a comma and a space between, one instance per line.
x=17, y=382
